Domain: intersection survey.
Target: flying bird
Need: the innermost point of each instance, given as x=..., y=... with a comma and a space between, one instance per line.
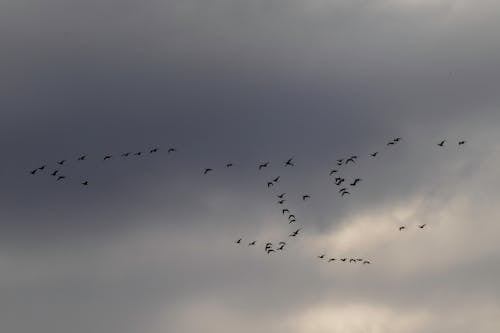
x=343, y=259
x=54, y=172
x=333, y=171
x=107, y=157
x=228, y=165
x=252, y=243
x=366, y=262
x=33, y=171
x=422, y=226
x=154, y=150
x=441, y=144
x=138, y=153
x=357, y=180
x=351, y=159
x=238, y=241
x=461, y=142
x=282, y=201
x=295, y=233
x=280, y=248
x=276, y=179
x=60, y=178
x=282, y=195
x=352, y=260
x=268, y=245
x=305, y=197
x=85, y=183
x=390, y=143
x=331, y=259
x=374, y=154
x=42, y=167
x=402, y=227
x=291, y=217
x=292, y=221
x=284, y=211
x=397, y=139
x=321, y=256
x=289, y=162
x=269, y=184
x=263, y=165
x=81, y=158
x=207, y=170
x=343, y=189
x=344, y=193
x=61, y=162
x=171, y=150
x=126, y=154
x=270, y=250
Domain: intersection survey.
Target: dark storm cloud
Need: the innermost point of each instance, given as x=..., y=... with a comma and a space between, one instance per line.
x=245, y=81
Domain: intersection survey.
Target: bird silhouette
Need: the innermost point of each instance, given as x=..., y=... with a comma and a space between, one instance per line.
x=331, y=259
x=291, y=217
x=402, y=227
x=42, y=167
x=207, y=170
x=268, y=245
x=305, y=197
x=282, y=201
x=352, y=260
x=61, y=178
x=441, y=144
x=33, y=171
x=292, y=221
x=107, y=157
x=228, y=165
x=263, y=165
x=374, y=154
x=366, y=262
x=269, y=251
x=343, y=189
x=357, y=180
x=461, y=142
x=344, y=193
x=126, y=154
x=343, y=259
x=276, y=179
x=289, y=162
x=61, y=162
x=339, y=180
x=81, y=158
x=351, y=159
x=333, y=171
x=252, y=243
x=321, y=256
x=422, y=226
x=397, y=139
x=54, y=172
x=281, y=196
x=390, y=143
x=295, y=233
x=280, y=248
x=238, y=241
x=284, y=211
x=139, y=153
x=154, y=150
x=269, y=184
x=171, y=150
x=85, y=183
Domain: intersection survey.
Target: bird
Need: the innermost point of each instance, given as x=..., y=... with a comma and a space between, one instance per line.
x=422, y=226
x=461, y=142
x=305, y=197
x=366, y=262
x=42, y=167
x=321, y=256
x=207, y=170
x=374, y=154
x=263, y=165
x=331, y=259
x=154, y=150
x=397, y=139
x=282, y=201
x=289, y=162
x=228, y=165
x=238, y=241
x=268, y=245
x=270, y=250
x=269, y=184
x=333, y=171
x=357, y=180
x=390, y=143
x=402, y=227
x=54, y=172
x=284, y=211
x=171, y=150
x=138, y=153
x=343, y=259
x=441, y=144
x=107, y=157
x=85, y=183
x=339, y=181
x=344, y=193
x=126, y=154
x=291, y=217
x=33, y=171
x=61, y=162
x=281, y=196
x=340, y=161
x=295, y=233
x=351, y=159
x=81, y=158
x=61, y=177
x=282, y=245
x=276, y=179
x=343, y=189
x=292, y=221
x=352, y=260
x=252, y=243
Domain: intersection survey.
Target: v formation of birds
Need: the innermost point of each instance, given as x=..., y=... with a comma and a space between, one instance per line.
x=345, y=189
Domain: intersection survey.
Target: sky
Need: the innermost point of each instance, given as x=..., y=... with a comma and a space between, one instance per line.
x=149, y=245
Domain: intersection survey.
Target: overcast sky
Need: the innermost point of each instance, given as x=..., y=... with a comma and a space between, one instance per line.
x=148, y=246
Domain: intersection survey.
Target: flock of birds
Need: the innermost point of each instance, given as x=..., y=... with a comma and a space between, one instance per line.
x=345, y=188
